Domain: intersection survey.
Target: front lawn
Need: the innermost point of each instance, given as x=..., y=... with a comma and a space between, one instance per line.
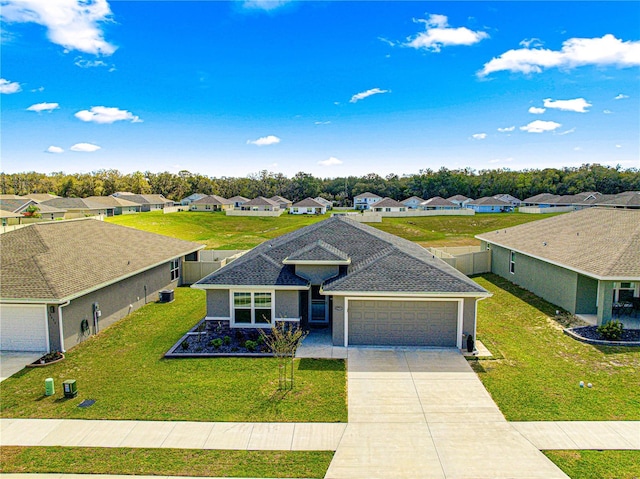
x=597, y=464
x=164, y=462
x=123, y=369
x=538, y=374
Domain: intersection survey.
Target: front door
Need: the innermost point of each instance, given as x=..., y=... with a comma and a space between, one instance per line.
x=319, y=311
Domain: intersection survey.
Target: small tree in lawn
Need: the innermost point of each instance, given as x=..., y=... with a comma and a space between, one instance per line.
x=283, y=340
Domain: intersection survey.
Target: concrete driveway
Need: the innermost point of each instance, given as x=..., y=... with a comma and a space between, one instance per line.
x=12, y=362
x=425, y=414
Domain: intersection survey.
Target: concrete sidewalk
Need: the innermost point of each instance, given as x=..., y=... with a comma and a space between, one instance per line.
x=581, y=434
x=174, y=434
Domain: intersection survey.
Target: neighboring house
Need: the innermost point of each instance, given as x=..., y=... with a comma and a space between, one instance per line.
x=146, y=202
x=5, y=216
x=542, y=200
x=19, y=206
x=412, y=203
x=628, y=199
x=366, y=286
x=388, y=205
x=39, y=197
x=211, y=203
x=489, y=205
x=191, y=198
x=65, y=280
x=460, y=200
x=238, y=201
x=116, y=206
x=260, y=204
x=308, y=206
x=80, y=207
x=364, y=201
x=328, y=205
x=515, y=202
x=438, y=203
x=582, y=261
x=283, y=203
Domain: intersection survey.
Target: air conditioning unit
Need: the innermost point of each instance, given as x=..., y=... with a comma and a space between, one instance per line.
x=166, y=295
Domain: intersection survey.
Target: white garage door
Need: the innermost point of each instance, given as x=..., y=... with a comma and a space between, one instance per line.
x=403, y=323
x=23, y=328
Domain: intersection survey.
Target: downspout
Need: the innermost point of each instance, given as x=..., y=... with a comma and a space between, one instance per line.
x=60, y=306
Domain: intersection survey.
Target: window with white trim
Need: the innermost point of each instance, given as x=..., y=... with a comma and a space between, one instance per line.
x=512, y=262
x=252, y=308
x=175, y=269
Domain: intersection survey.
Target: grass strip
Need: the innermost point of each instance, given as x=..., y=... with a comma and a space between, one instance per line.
x=165, y=462
x=597, y=464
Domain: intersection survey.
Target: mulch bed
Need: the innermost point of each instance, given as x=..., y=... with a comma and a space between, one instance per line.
x=590, y=334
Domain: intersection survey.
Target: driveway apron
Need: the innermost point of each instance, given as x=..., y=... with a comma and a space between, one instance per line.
x=423, y=413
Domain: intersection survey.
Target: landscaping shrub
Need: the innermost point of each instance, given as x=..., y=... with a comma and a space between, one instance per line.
x=216, y=343
x=611, y=331
x=226, y=340
x=250, y=345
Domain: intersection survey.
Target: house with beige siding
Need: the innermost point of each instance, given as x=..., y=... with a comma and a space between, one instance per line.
x=63, y=281
x=260, y=204
x=586, y=262
x=211, y=203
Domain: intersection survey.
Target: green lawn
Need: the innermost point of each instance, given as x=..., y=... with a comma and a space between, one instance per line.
x=123, y=369
x=452, y=230
x=597, y=464
x=538, y=375
x=216, y=230
x=164, y=462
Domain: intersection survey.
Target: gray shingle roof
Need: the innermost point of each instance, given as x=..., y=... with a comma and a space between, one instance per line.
x=458, y=198
x=318, y=251
x=212, y=200
x=380, y=262
x=388, y=203
x=59, y=259
x=261, y=201
x=488, y=201
x=438, y=201
x=308, y=202
x=603, y=242
x=367, y=194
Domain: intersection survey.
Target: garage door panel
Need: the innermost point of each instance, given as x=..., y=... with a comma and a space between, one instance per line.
x=23, y=328
x=403, y=323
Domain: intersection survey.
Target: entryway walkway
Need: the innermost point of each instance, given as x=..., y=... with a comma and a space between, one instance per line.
x=425, y=414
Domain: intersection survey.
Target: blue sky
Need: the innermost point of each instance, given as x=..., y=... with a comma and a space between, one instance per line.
x=330, y=88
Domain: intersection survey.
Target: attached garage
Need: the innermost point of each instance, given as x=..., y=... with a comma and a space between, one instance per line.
x=23, y=328
x=403, y=323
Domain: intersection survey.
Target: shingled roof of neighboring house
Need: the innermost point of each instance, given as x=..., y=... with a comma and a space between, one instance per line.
x=541, y=198
x=41, y=196
x=438, y=201
x=280, y=199
x=143, y=199
x=9, y=214
x=458, y=198
x=600, y=242
x=389, y=203
x=380, y=262
x=112, y=201
x=367, y=194
x=629, y=199
x=59, y=260
x=212, y=200
x=18, y=205
x=413, y=199
x=241, y=199
x=323, y=201
x=261, y=201
x=74, y=204
x=308, y=203
x=489, y=201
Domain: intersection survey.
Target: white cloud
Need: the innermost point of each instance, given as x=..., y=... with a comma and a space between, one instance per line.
x=322, y=122
x=579, y=105
x=73, y=24
x=332, y=161
x=54, y=149
x=537, y=111
x=621, y=97
x=618, y=146
x=577, y=148
x=540, y=126
x=264, y=4
x=362, y=95
x=438, y=34
x=508, y=128
x=531, y=42
x=104, y=114
x=39, y=107
x=607, y=112
x=8, y=87
x=575, y=52
x=479, y=136
x=85, y=147
x=264, y=141
x=37, y=90
x=84, y=63
x=501, y=160
x=567, y=132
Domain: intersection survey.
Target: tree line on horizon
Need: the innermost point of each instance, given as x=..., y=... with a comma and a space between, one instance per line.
x=425, y=184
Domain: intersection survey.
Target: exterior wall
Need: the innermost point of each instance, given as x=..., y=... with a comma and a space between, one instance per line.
x=287, y=304
x=337, y=327
x=389, y=209
x=605, y=301
x=304, y=210
x=116, y=301
x=253, y=213
x=316, y=274
x=218, y=303
x=553, y=283
x=53, y=322
x=206, y=207
x=489, y=208
x=586, y=295
x=420, y=212
x=469, y=318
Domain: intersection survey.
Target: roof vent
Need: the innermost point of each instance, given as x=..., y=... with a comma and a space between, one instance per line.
x=544, y=243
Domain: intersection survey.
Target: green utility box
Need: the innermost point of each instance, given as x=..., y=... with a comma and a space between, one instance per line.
x=49, y=390
x=70, y=388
